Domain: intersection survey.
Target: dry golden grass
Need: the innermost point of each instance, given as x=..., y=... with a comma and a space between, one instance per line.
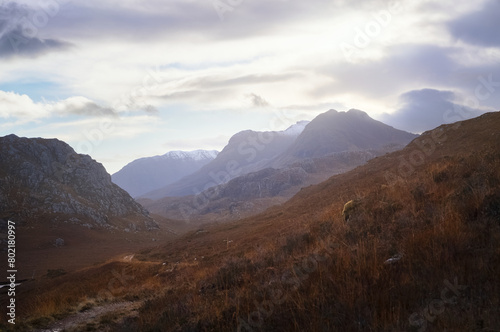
x=300, y=267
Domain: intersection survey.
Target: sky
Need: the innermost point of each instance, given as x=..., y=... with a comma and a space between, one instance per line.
x=121, y=80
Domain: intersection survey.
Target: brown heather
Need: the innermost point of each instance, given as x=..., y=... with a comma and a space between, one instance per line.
x=307, y=270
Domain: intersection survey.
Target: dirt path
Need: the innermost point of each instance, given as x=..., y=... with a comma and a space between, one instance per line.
x=91, y=316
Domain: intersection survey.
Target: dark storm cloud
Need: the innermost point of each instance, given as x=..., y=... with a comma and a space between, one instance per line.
x=479, y=28
x=19, y=32
x=13, y=43
x=426, y=109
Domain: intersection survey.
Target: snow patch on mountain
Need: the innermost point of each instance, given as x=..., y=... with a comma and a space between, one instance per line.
x=193, y=155
x=296, y=129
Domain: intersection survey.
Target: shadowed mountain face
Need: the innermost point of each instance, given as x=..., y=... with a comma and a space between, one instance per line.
x=334, y=132
x=147, y=174
x=247, y=151
x=46, y=178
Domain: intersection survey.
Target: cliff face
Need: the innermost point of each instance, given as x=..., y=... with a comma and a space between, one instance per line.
x=42, y=178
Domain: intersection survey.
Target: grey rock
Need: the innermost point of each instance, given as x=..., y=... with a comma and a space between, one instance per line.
x=46, y=177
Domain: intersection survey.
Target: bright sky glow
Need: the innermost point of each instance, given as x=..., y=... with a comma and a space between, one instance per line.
x=120, y=80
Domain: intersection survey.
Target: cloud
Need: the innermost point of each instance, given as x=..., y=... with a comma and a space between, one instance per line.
x=205, y=69
x=151, y=110
x=93, y=135
x=257, y=101
x=405, y=66
x=15, y=106
x=224, y=82
x=408, y=67
x=13, y=43
x=426, y=109
x=212, y=90
x=18, y=33
x=480, y=27
x=148, y=20
x=80, y=106
x=24, y=109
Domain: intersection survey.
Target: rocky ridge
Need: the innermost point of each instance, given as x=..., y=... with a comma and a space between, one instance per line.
x=42, y=178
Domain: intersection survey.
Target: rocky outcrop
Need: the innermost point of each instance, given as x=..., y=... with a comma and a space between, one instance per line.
x=268, y=182
x=42, y=178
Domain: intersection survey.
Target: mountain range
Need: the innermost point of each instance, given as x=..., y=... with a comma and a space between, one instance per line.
x=147, y=174
x=259, y=169
x=46, y=179
x=246, y=152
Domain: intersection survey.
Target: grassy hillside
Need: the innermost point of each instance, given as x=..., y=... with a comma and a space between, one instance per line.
x=433, y=207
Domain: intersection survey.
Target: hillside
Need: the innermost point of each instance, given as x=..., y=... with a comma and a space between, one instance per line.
x=254, y=192
x=332, y=143
x=147, y=174
x=47, y=179
x=64, y=205
x=420, y=251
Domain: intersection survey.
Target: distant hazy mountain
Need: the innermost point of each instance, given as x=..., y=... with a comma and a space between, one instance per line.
x=247, y=151
x=45, y=180
x=334, y=132
x=148, y=174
